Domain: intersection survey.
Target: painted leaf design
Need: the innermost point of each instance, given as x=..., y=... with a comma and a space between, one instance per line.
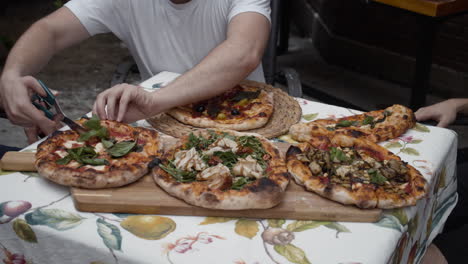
x=2, y=172
x=123, y=216
x=276, y=222
x=415, y=141
x=151, y=227
x=310, y=117
x=246, y=228
x=214, y=220
x=400, y=214
x=442, y=180
x=24, y=231
x=338, y=227
x=292, y=253
x=421, y=128
x=395, y=144
x=110, y=234
x=390, y=221
x=298, y=226
x=1, y=208
x=55, y=218
x=410, y=151
x=413, y=225
x=31, y=174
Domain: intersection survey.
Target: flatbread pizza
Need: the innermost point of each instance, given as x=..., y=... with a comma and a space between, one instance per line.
x=222, y=169
x=355, y=171
x=243, y=107
x=110, y=154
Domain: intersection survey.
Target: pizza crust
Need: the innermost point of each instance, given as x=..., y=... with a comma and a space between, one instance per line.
x=263, y=193
x=120, y=172
x=401, y=119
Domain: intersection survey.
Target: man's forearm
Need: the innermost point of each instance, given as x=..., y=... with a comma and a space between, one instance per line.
x=224, y=67
x=462, y=105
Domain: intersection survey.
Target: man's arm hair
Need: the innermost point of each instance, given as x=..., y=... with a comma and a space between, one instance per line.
x=42, y=40
x=224, y=67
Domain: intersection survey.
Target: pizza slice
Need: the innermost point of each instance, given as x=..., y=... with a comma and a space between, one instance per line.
x=244, y=107
x=222, y=169
x=376, y=126
x=355, y=171
x=110, y=154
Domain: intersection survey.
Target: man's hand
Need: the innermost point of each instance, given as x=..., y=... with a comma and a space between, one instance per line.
x=444, y=112
x=126, y=103
x=15, y=94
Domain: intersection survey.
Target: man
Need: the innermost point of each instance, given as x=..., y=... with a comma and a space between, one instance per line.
x=215, y=44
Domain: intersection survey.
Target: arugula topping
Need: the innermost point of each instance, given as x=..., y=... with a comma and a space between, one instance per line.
x=258, y=152
x=83, y=155
x=240, y=182
x=229, y=158
x=346, y=123
x=376, y=177
x=337, y=155
x=95, y=130
x=368, y=120
x=179, y=175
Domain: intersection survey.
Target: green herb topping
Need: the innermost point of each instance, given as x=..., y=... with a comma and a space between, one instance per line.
x=95, y=130
x=83, y=155
x=376, y=177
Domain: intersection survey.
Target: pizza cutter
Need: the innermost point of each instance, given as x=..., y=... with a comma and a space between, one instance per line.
x=45, y=104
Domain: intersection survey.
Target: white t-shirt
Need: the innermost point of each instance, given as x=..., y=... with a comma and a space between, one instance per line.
x=163, y=36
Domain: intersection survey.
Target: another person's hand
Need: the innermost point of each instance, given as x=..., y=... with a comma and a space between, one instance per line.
x=15, y=93
x=125, y=103
x=444, y=112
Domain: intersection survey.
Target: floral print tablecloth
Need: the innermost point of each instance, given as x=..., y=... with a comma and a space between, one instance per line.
x=39, y=223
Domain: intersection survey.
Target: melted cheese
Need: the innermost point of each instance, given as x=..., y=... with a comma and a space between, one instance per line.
x=99, y=148
x=98, y=168
x=224, y=144
x=189, y=160
x=61, y=153
x=248, y=167
x=69, y=144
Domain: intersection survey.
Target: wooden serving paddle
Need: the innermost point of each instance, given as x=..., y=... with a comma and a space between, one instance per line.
x=18, y=161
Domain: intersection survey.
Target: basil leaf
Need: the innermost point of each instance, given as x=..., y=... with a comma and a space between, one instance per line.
x=376, y=177
x=107, y=143
x=65, y=160
x=240, y=182
x=121, y=149
x=95, y=162
x=368, y=120
x=94, y=123
x=346, y=123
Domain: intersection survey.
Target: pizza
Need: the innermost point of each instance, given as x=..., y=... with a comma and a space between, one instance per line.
x=355, y=171
x=109, y=154
x=222, y=169
x=243, y=107
x=375, y=126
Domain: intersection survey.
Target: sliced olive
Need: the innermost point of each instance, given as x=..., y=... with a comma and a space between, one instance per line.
x=155, y=162
x=200, y=108
x=235, y=112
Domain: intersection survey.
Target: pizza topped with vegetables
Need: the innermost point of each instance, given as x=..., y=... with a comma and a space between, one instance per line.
x=243, y=107
x=223, y=169
x=109, y=154
x=375, y=126
x=355, y=171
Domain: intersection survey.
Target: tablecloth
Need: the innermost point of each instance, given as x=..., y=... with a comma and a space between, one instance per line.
x=39, y=223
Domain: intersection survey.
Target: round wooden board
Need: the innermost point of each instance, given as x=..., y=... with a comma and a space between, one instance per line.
x=287, y=112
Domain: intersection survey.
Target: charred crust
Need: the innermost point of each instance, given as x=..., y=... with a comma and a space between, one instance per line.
x=405, y=117
x=293, y=150
x=210, y=198
x=356, y=133
x=264, y=185
x=262, y=114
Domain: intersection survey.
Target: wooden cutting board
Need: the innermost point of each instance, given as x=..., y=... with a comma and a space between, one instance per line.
x=145, y=197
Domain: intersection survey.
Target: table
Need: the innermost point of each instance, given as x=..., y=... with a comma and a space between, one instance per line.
x=39, y=223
